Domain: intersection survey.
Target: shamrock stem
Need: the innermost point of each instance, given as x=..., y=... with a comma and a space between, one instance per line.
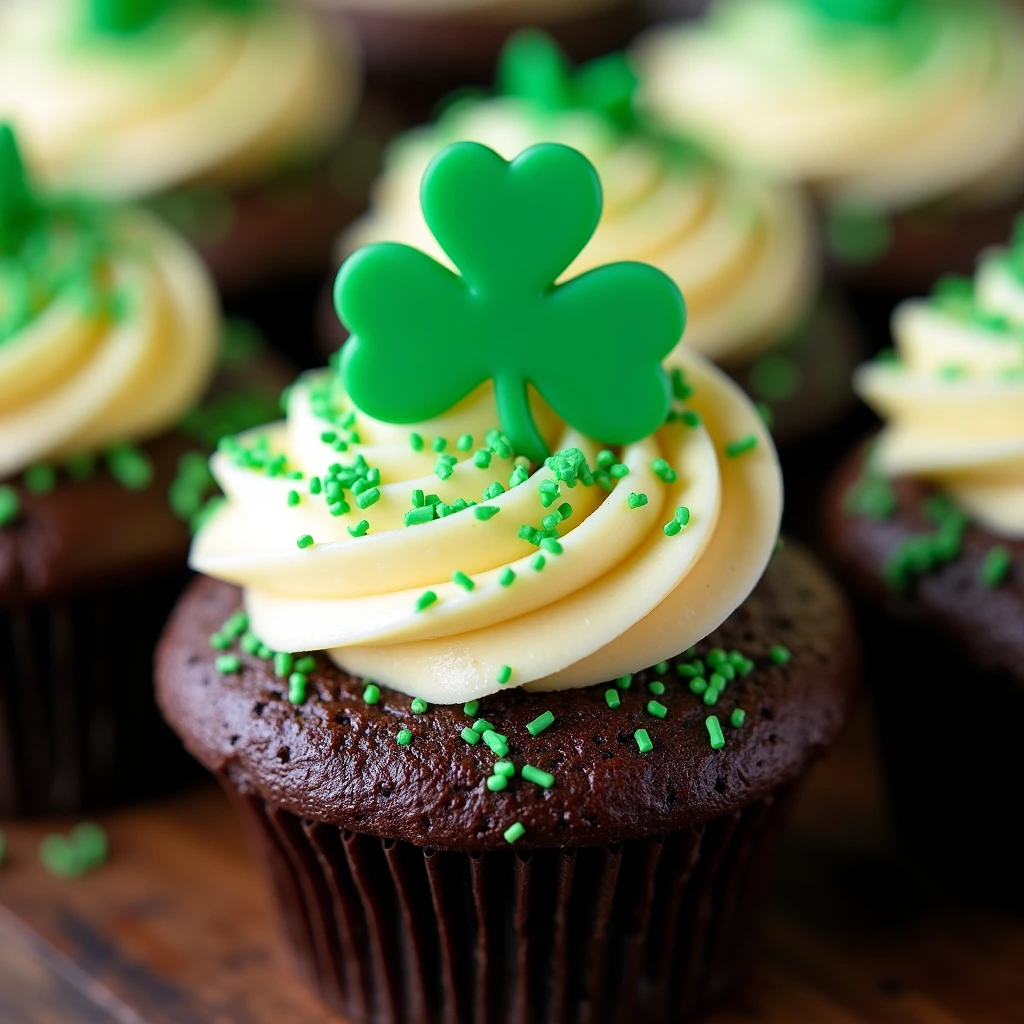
x=517, y=419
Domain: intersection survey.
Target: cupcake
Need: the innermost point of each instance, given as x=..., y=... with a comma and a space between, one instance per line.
x=904, y=116
x=927, y=526
x=537, y=702
x=154, y=101
x=108, y=339
x=419, y=49
x=742, y=248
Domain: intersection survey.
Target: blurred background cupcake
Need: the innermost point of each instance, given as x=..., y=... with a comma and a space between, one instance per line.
x=109, y=338
x=927, y=526
x=742, y=248
x=904, y=116
x=417, y=50
x=232, y=118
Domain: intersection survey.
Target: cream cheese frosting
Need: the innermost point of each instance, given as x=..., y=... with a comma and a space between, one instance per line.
x=198, y=96
x=613, y=592
x=740, y=248
x=954, y=401
x=115, y=354
x=892, y=114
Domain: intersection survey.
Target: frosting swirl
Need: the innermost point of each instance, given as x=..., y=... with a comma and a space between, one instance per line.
x=954, y=401
x=566, y=578
x=123, y=116
x=113, y=343
x=923, y=105
x=740, y=249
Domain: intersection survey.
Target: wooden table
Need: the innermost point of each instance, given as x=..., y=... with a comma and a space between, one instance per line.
x=177, y=927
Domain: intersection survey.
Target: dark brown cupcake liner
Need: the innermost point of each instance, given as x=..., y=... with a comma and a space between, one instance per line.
x=389, y=932
x=954, y=760
x=78, y=724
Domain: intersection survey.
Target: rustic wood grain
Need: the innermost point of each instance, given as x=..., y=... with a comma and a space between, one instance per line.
x=177, y=928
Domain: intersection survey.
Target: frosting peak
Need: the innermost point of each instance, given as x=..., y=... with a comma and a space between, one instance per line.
x=954, y=399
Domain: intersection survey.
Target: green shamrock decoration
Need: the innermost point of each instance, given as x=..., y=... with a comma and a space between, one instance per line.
x=19, y=207
x=865, y=12
x=533, y=68
x=423, y=337
x=125, y=17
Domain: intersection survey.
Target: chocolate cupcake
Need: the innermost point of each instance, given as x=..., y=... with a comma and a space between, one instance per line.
x=417, y=50
x=109, y=338
x=903, y=116
x=555, y=707
x=154, y=101
x=926, y=524
x=742, y=248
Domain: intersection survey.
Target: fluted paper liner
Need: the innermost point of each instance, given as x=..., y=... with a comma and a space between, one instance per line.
x=654, y=929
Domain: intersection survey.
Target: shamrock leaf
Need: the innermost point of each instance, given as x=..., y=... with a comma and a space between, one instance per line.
x=423, y=337
x=866, y=12
x=124, y=17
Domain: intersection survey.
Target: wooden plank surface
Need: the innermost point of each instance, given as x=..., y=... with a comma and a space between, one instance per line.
x=177, y=927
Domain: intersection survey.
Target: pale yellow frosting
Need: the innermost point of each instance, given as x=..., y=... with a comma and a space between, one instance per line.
x=893, y=116
x=79, y=376
x=954, y=403
x=620, y=596
x=741, y=249
x=199, y=96
x=515, y=12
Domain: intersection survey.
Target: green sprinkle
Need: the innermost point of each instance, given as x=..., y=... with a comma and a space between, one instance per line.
x=471, y=708
x=471, y=736
x=40, y=479
x=711, y=695
x=264, y=653
x=995, y=568
x=341, y=508
x=624, y=682
x=403, y=738
x=482, y=458
x=537, y=563
x=482, y=725
x=535, y=775
x=657, y=709
x=283, y=664
x=504, y=674
x=741, y=446
x=250, y=643
x=515, y=832
x=416, y=442
x=425, y=600
x=661, y=668
x=297, y=687
x=220, y=642
x=360, y=529
x=715, y=732
x=496, y=783
x=717, y=682
x=551, y=545
x=664, y=471
x=464, y=443
x=672, y=528
x=305, y=541
x=691, y=418
x=698, y=685
x=539, y=724
x=418, y=706
x=307, y=664
x=371, y=695
x=83, y=466
x=10, y=505
x=643, y=741
x=683, y=515
x=368, y=498
x=618, y=471
x=439, y=444
x=507, y=577
x=637, y=500
x=315, y=485
x=485, y=512
x=612, y=699
x=235, y=625
x=506, y=768
x=779, y=654
x=417, y=516
x=497, y=742
x=737, y=718
x=130, y=467
x=463, y=580
x=656, y=688
x=228, y=664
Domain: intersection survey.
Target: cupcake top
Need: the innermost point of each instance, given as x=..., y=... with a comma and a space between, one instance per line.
x=515, y=12
x=952, y=394
x=127, y=98
x=108, y=324
x=499, y=485
x=887, y=103
x=741, y=248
